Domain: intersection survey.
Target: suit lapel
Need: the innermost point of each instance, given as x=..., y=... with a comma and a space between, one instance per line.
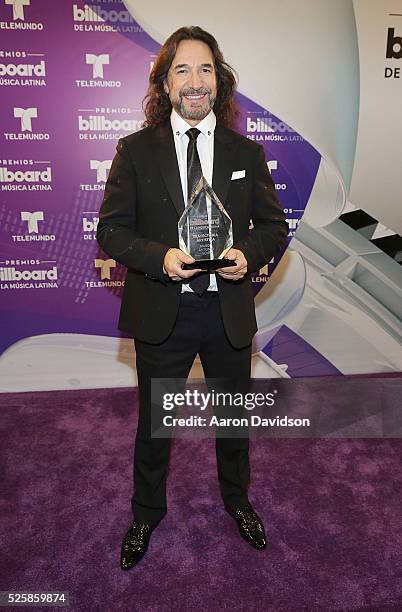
x=167, y=160
x=224, y=152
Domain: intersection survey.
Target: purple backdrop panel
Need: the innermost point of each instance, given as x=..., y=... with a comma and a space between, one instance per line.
x=72, y=78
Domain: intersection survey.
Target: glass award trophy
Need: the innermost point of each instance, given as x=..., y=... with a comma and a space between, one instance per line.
x=206, y=238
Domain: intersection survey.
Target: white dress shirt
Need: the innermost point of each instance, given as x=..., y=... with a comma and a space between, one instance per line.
x=205, y=148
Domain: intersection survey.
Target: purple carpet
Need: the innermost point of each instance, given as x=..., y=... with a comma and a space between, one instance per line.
x=331, y=507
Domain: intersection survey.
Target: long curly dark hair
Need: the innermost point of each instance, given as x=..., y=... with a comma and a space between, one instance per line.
x=157, y=103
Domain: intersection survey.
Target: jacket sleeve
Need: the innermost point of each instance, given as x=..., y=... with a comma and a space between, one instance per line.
x=270, y=229
x=116, y=232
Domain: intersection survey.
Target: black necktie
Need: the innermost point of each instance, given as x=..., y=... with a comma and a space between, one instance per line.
x=200, y=283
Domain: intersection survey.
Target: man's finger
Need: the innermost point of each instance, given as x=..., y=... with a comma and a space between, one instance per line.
x=184, y=274
x=229, y=269
x=189, y=273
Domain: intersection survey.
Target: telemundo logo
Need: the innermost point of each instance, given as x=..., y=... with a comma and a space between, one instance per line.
x=97, y=62
x=26, y=116
x=102, y=168
x=18, y=8
x=105, y=267
x=273, y=167
x=32, y=220
x=18, y=17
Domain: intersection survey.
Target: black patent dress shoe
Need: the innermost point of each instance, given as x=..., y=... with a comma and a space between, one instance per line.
x=135, y=544
x=250, y=527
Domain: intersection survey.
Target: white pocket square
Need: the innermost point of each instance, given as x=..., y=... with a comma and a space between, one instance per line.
x=238, y=174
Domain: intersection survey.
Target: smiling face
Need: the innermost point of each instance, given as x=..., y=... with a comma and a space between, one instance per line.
x=191, y=81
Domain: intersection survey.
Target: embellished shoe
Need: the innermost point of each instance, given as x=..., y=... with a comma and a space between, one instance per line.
x=135, y=544
x=250, y=527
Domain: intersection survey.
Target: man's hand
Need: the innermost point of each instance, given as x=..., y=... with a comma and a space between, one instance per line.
x=173, y=261
x=238, y=270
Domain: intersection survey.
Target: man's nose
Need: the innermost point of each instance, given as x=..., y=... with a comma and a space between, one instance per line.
x=195, y=80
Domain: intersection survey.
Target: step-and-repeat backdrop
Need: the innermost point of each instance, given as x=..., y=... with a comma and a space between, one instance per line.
x=72, y=79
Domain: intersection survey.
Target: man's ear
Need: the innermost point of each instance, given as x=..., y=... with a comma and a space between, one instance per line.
x=165, y=87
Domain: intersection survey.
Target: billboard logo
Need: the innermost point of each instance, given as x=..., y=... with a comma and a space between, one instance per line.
x=25, y=180
x=97, y=62
x=394, y=45
x=97, y=19
x=23, y=69
x=26, y=115
x=89, y=227
x=96, y=14
x=12, y=274
x=25, y=274
x=102, y=168
x=32, y=220
x=105, y=265
x=108, y=129
x=267, y=129
x=15, y=74
x=259, y=125
x=18, y=8
x=393, y=52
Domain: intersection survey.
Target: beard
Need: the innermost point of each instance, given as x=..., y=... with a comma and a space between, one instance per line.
x=192, y=110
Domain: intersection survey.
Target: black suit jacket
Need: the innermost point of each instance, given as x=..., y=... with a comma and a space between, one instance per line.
x=142, y=204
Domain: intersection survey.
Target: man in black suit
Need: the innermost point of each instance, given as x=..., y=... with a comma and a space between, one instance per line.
x=175, y=313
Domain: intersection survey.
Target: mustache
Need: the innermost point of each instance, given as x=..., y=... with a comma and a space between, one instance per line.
x=189, y=91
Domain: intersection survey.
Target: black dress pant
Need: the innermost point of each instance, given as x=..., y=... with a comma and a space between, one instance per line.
x=198, y=329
